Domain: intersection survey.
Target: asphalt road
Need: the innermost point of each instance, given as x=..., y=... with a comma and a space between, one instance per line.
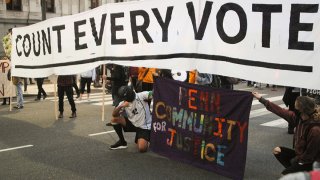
x=78, y=148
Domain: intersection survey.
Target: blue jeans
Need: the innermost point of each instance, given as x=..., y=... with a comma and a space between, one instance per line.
x=19, y=94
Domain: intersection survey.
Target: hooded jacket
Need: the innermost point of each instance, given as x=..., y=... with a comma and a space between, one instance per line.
x=306, y=136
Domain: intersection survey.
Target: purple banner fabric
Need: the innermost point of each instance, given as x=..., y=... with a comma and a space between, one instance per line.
x=202, y=126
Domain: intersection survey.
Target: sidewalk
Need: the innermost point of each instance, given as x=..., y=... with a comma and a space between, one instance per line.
x=32, y=89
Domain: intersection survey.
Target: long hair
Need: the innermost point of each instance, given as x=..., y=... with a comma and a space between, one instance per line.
x=308, y=106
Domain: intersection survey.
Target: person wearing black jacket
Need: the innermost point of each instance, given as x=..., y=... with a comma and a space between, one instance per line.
x=118, y=79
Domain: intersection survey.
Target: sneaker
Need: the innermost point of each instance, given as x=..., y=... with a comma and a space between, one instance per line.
x=60, y=115
x=119, y=145
x=36, y=99
x=18, y=107
x=44, y=97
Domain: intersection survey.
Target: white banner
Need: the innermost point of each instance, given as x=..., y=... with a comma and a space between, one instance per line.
x=274, y=41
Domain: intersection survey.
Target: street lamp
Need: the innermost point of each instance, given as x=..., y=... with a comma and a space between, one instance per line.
x=44, y=9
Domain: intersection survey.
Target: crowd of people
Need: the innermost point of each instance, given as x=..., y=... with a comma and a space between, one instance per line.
x=132, y=90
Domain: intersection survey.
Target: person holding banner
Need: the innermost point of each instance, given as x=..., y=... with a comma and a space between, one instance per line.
x=307, y=135
x=133, y=114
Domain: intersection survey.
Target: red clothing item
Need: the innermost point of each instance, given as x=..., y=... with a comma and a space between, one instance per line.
x=307, y=133
x=315, y=175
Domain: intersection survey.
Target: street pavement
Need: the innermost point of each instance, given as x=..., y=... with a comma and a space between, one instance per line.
x=33, y=145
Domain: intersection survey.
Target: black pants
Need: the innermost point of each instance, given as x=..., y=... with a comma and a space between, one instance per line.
x=84, y=82
x=75, y=86
x=287, y=158
x=40, y=88
x=69, y=93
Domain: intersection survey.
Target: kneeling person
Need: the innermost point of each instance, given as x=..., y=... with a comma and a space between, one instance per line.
x=133, y=114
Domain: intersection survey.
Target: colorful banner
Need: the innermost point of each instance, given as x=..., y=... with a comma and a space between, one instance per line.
x=264, y=41
x=5, y=84
x=202, y=126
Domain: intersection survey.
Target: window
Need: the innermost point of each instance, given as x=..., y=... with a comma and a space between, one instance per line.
x=50, y=6
x=94, y=3
x=14, y=5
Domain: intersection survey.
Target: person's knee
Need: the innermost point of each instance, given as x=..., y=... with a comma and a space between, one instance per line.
x=276, y=150
x=142, y=145
x=142, y=149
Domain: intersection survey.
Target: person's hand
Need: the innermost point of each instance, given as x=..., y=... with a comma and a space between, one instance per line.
x=104, y=77
x=125, y=104
x=256, y=95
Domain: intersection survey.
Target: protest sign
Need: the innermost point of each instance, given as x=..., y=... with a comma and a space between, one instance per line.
x=5, y=84
x=268, y=42
x=202, y=126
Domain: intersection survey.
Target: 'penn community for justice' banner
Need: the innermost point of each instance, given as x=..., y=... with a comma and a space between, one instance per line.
x=274, y=41
x=202, y=126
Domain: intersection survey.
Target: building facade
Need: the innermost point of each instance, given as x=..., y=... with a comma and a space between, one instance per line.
x=18, y=13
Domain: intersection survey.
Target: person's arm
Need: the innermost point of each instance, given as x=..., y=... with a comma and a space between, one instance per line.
x=276, y=109
x=117, y=110
x=312, y=147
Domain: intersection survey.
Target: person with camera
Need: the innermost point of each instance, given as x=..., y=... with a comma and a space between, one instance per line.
x=133, y=115
x=306, y=136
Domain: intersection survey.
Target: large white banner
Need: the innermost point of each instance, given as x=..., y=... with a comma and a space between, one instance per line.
x=274, y=41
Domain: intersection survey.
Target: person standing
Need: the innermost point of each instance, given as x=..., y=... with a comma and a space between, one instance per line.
x=118, y=79
x=147, y=78
x=65, y=86
x=133, y=76
x=203, y=78
x=17, y=81
x=40, y=89
x=75, y=86
x=86, y=79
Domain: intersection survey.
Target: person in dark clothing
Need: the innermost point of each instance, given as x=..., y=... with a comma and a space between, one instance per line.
x=165, y=73
x=65, y=85
x=313, y=93
x=289, y=98
x=118, y=79
x=40, y=89
x=75, y=86
x=307, y=135
x=133, y=76
x=225, y=84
